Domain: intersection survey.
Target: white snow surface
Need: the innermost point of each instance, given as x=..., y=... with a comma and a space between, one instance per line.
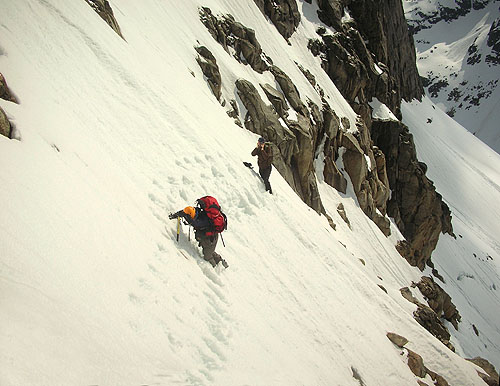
x=114, y=135
x=455, y=52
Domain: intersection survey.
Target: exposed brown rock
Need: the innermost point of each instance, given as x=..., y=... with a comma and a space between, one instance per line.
x=428, y=319
x=491, y=376
x=406, y=293
x=398, y=340
x=416, y=364
x=439, y=300
x=230, y=33
x=372, y=194
x=383, y=26
x=342, y=213
x=283, y=13
x=5, y=127
x=415, y=205
x=105, y=11
x=5, y=92
x=438, y=379
x=210, y=69
x=289, y=89
x=277, y=99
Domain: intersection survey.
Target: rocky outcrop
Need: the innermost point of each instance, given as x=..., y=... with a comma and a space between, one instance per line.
x=105, y=11
x=418, y=210
x=397, y=339
x=415, y=361
x=491, y=376
x=283, y=13
x=295, y=165
x=439, y=301
x=232, y=34
x=383, y=25
x=360, y=164
x=349, y=62
x=210, y=69
x=428, y=319
x=5, y=126
x=372, y=55
x=5, y=92
x=263, y=120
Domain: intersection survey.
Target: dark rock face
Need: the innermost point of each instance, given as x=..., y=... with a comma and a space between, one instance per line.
x=5, y=127
x=417, y=208
x=384, y=67
x=5, y=92
x=283, y=13
x=384, y=25
x=439, y=301
x=105, y=11
x=210, y=69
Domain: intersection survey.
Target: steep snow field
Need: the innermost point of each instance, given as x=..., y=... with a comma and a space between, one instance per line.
x=114, y=135
x=466, y=173
x=454, y=56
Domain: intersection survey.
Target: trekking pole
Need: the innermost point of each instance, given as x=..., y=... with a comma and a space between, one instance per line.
x=189, y=233
x=178, y=227
x=222, y=238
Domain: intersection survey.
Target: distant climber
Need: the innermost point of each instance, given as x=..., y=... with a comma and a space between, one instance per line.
x=208, y=221
x=264, y=152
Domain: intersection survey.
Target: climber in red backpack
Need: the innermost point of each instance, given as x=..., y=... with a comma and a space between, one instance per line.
x=208, y=221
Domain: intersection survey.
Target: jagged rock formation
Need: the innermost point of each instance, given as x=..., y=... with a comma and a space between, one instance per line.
x=491, y=376
x=348, y=60
x=384, y=67
x=397, y=339
x=5, y=127
x=428, y=318
x=232, y=34
x=210, y=69
x=415, y=361
x=439, y=301
x=418, y=210
x=371, y=191
x=5, y=92
x=283, y=13
x=105, y=11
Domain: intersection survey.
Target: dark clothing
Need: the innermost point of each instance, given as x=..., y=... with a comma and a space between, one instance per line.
x=265, y=173
x=208, y=244
x=264, y=160
x=265, y=156
x=201, y=224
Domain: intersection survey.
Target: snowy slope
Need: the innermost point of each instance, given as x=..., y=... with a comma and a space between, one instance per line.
x=116, y=134
x=465, y=171
x=454, y=55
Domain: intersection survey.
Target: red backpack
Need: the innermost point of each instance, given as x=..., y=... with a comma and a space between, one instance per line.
x=212, y=208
